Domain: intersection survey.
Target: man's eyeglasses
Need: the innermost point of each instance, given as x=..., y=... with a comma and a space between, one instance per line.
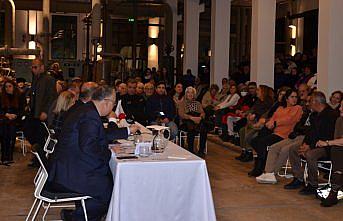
x=34, y=67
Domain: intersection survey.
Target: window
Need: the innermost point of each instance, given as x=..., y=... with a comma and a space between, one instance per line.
x=64, y=37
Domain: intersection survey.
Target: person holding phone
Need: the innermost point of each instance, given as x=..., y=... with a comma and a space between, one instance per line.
x=160, y=102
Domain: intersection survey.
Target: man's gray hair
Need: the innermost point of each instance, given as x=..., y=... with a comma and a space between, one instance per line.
x=87, y=90
x=102, y=92
x=319, y=97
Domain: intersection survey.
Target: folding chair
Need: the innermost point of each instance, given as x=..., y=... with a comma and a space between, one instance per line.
x=322, y=165
x=21, y=139
x=42, y=195
x=284, y=170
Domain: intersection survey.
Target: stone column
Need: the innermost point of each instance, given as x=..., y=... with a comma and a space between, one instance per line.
x=263, y=41
x=173, y=7
x=46, y=31
x=300, y=35
x=96, y=23
x=220, y=40
x=191, y=36
x=330, y=47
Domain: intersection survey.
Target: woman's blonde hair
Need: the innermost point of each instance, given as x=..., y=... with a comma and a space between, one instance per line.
x=64, y=101
x=191, y=89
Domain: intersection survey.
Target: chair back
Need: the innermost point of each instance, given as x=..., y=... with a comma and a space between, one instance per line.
x=50, y=143
x=42, y=177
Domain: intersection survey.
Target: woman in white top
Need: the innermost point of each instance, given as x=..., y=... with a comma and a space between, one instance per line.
x=230, y=101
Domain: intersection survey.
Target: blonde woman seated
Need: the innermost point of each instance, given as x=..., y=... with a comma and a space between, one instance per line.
x=191, y=116
x=64, y=101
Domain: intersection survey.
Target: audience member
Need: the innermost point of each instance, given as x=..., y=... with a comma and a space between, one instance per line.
x=336, y=157
x=134, y=105
x=210, y=100
x=64, y=101
x=322, y=128
x=188, y=79
x=225, y=89
x=149, y=90
x=230, y=101
x=160, y=109
x=279, y=152
x=140, y=88
x=192, y=114
x=177, y=94
x=122, y=90
x=281, y=124
x=12, y=104
x=335, y=100
x=43, y=93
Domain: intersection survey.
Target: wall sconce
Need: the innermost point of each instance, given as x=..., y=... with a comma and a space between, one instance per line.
x=32, y=42
x=293, y=38
x=209, y=53
x=154, y=28
x=32, y=29
x=153, y=56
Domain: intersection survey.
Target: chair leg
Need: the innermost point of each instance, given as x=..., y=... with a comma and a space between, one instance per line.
x=37, y=210
x=24, y=148
x=46, y=211
x=32, y=207
x=329, y=181
x=305, y=173
x=84, y=209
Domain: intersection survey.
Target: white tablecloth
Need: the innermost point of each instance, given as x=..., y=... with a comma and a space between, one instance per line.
x=163, y=187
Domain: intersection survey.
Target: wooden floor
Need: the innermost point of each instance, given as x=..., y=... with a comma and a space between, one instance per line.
x=236, y=196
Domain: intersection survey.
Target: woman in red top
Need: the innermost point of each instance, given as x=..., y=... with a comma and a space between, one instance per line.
x=281, y=123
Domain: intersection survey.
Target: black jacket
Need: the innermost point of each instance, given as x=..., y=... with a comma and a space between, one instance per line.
x=160, y=103
x=322, y=127
x=134, y=105
x=43, y=93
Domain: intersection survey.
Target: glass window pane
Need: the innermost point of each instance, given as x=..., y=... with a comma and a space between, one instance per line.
x=64, y=37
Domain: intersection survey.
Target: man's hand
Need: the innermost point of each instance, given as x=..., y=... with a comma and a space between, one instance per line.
x=115, y=148
x=10, y=116
x=43, y=116
x=303, y=149
x=112, y=115
x=270, y=125
x=321, y=143
x=216, y=108
x=133, y=128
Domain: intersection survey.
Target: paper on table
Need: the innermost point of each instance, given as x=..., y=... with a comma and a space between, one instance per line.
x=157, y=127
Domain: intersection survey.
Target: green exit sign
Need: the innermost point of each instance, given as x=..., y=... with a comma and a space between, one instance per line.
x=131, y=19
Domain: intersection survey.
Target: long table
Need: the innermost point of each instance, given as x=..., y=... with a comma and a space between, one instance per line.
x=172, y=186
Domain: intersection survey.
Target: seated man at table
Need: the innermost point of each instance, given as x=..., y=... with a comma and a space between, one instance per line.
x=161, y=110
x=80, y=162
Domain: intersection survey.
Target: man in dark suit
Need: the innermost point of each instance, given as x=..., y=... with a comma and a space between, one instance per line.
x=80, y=162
